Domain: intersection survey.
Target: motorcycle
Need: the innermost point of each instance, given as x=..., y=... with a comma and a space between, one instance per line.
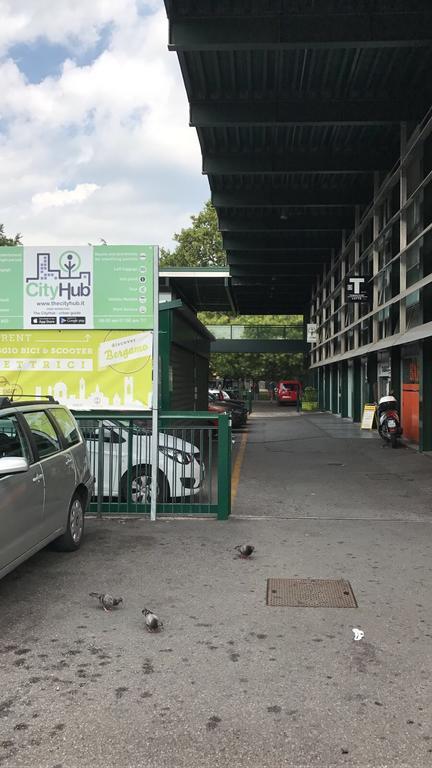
x=389, y=426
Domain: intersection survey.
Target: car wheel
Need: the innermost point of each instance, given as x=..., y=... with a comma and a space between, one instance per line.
x=141, y=486
x=71, y=539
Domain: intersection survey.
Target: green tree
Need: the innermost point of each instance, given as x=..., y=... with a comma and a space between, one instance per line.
x=199, y=245
x=4, y=240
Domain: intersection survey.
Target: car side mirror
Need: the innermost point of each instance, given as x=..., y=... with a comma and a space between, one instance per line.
x=13, y=465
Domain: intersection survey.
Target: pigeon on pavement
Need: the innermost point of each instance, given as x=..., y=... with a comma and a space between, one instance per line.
x=107, y=601
x=153, y=624
x=244, y=550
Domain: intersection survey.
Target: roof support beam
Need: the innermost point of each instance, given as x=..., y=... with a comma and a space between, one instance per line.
x=297, y=30
x=280, y=241
x=365, y=160
x=273, y=259
x=316, y=222
x=248, y=276
x=319, y=111
x=358, y=194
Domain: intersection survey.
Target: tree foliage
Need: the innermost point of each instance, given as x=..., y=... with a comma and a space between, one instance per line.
x=199, y=245
x=4, y=240
x=260, y=367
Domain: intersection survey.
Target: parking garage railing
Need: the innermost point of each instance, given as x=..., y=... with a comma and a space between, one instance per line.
x=194, y=463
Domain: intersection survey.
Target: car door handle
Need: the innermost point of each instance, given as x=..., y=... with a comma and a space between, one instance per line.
x=68, y=460
x=37, y=478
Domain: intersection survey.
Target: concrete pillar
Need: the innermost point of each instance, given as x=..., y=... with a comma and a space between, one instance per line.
x=375, y=260
x=402, y=229
x=344, y=345
x=332, y=301
x=356, y=258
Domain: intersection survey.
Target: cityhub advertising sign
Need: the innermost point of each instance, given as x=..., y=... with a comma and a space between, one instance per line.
x=76, y=323
x=91, y=286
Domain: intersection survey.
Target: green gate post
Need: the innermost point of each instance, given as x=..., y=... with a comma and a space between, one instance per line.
x=129, y=467
x=100, y=467
x=224, y=467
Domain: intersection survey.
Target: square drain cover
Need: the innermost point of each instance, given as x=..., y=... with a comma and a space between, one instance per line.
x=310, y=593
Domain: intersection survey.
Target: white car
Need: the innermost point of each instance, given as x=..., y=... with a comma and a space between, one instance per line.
x=181, y=471
x=219, y=392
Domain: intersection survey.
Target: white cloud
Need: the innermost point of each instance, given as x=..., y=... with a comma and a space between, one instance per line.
x=121, y=123
x=61, y=197
x=66, y=21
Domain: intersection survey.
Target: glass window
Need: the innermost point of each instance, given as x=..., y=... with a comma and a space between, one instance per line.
x=410, y=370
x=43, y=433
x=414, y=314
x=413, y=274
x=67, y=425
x=12, y=442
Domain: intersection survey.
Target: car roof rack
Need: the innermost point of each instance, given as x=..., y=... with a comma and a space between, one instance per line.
x=9, y=401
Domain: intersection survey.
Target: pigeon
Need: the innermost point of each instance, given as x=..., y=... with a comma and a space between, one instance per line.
x=107, y=601
x=153, y=624
x=244, y=550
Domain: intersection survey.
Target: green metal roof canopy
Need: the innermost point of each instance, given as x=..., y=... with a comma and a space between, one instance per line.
x=204, y=289
x=297, y=103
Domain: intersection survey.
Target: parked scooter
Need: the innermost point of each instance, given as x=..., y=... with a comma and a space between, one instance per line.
x=389, y=426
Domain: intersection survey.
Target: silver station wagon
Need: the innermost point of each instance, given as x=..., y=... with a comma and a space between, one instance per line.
x=45, y=479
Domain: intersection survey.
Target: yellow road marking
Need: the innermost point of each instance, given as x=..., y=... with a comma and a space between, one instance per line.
x=235, y=478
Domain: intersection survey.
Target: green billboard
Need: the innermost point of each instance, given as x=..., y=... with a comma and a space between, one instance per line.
x=92, y=287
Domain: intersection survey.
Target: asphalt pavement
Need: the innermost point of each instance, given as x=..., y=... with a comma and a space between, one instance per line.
x=231, y=681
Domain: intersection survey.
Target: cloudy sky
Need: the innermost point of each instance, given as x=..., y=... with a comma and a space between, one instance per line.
x=94, y=136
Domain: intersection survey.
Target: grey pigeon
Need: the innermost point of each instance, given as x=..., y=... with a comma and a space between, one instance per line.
x=244, y=550
x=107, y=601
x=153, y=624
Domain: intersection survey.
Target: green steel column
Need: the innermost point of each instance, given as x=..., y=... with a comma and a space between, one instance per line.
x=224, y=467
x=334, y=389
x=321, y=388
x=395, y=356
x=372, y=377
x=357, y=415
x=327, y=388
x=165, y=331
x=344, y=374
x=425, y=442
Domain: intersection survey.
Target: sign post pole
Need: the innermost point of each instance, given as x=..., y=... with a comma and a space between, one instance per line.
x=155, y=392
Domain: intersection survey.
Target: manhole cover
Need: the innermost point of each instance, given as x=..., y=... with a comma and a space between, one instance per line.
x=310, y=593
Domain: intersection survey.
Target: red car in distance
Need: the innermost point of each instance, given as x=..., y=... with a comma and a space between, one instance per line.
x=288, y=392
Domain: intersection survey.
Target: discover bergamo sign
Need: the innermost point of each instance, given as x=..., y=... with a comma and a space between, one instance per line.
x=90, y=287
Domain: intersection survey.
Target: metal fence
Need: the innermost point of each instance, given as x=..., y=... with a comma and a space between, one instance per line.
x=194, y=463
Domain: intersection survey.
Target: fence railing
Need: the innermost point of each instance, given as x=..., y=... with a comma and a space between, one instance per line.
x=276, y=332
x=194, y=463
